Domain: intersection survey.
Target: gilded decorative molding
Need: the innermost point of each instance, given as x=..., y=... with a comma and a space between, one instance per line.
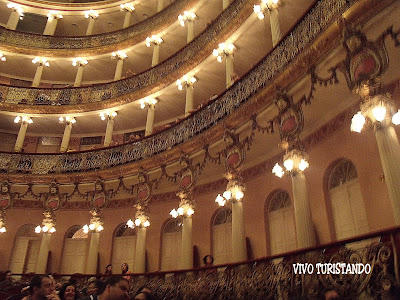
x=74, y=46
x=102, y=96
x=249, y=93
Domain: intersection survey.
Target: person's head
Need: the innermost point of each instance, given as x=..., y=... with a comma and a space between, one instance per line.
x=115, y=288
x=67, y=291
x=331, y=295
x=143, y=295
x=124, y=268
x=41, y=286
x=109, y=269
x=94, y=287
x=6, y=276
x=208, y=260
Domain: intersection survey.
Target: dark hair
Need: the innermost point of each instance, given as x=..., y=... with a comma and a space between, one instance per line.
x=205, y=259
x=97, y=283
x=3, y=276
x=108, y=272
x=37, y=282
x=148, y=295
x=111, y=281
x=64, y=287
x=127, y=268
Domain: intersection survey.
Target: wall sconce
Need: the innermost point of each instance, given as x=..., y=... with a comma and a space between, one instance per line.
x=40, y=61
x=153, y=40
x=67, y=119
x=108, y=115
x=80, y=62
x=23, y=119
x=91, y=14
x=223, y=51
x=187, y=16
x=186, y=80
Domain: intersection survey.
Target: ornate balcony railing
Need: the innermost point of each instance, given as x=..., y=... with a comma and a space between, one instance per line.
x=128, y=36
x=123, y=91
x=279, y=276
x=322, y=14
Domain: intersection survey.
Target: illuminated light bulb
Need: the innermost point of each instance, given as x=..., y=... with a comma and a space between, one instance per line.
x=146, y=223
x=45, y=229
x=379, y=113
x=100, y=228
x=257, y=9
x=215, y=52
x=278, y=170
x=130, y=223
x=303, y=165
x=102, y=116
x=227, y=195
x=2, y=57
x=17, y=119
x=2, y=230
x=219, y=58
x=52, y=229
x=85, y=229
x=357, y=122
x=138, y=222
x=174, y=213
x=114, y=114
x=91, y=226
x=219, y=199
x=396, y=118
x=289, y=164
x=180, y=211
x=38, y=229
x=275, y=2
x=190, y=211
x=239, y=195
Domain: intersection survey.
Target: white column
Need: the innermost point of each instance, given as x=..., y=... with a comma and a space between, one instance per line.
x=91, y=266
x=160, y=5
x=239, y=250
x=140, y=254
x=43, y=255
x=225, y=4
x=229, y=69
x=302, y=210
x=275, y=28
x=190, y=30
x=187, y=244
x=127, y=19
x=189, y=99
x=150, y=119
x=90, y=27
x=118, y=69
x=109, y=131
x=38, y=76
x=13, y=20
x=389, y=152
x=21, y=137
x=79, y=75
x=50, y=26
x=66, y=137
x=156, y=55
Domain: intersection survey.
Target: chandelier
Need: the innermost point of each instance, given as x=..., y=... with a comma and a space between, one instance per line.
x=48, y=224
x=294, y=161
x=377, y=111
x=234, y=191
x=96, y=223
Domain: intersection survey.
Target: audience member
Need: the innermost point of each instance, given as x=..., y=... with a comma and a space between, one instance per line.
x=6, y=279
x=94, y=288
x=42, y=288
x=108, y=271
x=125, y=271
x=116, y=288
x=68, y=291
x=331, y=294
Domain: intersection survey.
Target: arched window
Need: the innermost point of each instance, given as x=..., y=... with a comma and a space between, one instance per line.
x=75, y=251
x=171, y=245
x=222, y=236
x=348, y=209
x=124, y=245
x=25, y=250
x=282, y=230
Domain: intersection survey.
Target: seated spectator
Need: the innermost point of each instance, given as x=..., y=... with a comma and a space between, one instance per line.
x=42, y=288
x=125, y=270
x=68, y=291
x=6, y=279
x=93, y=290
x=116, y=288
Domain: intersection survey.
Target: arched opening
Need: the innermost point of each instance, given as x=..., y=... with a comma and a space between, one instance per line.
x=74, y=251
x=282, y=229
x=222, y=236
x=124, y=245
x=171, y=244
x=348, y=209
x=25, y=250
